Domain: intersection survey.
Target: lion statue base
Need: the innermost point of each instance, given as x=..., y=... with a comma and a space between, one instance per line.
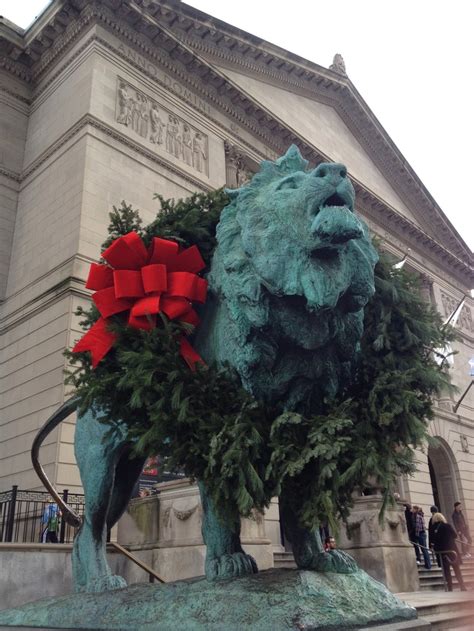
x=280, y=600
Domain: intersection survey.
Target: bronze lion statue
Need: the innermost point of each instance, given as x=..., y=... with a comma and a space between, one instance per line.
x=291, y=274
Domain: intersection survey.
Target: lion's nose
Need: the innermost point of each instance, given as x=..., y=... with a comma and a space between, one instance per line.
x=332, y=173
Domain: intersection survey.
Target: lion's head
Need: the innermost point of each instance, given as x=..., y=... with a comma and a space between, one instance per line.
x=290, y=277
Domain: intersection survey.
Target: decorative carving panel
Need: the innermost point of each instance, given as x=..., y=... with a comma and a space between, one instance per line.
x=238, y=170
x=160, y=127
x=465, y=317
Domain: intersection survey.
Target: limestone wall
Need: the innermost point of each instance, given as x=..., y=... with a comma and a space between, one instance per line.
x=14, y=111
x=79, y=162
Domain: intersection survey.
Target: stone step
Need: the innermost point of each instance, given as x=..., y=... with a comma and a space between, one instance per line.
x=433, y=579
x=284, y=560
x=442, y=611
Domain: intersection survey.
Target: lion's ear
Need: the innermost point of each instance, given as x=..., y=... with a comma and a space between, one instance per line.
x=232, y=193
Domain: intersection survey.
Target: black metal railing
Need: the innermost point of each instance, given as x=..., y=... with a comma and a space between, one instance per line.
x=22, y=515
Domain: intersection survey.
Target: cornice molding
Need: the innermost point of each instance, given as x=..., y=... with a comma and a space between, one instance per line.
x=11, y=175
x=338, y=92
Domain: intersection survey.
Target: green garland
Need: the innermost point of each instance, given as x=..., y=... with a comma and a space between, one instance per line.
x=207, y=425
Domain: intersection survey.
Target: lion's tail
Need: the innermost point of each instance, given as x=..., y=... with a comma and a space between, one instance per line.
x=64, y=411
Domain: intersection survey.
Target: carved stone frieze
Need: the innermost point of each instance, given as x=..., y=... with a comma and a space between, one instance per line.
x=184, y=515
x=160, y=127
x=465, y=317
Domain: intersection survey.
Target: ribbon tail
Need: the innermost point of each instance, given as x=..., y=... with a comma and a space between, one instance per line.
x=190, y=356
x=98, y=340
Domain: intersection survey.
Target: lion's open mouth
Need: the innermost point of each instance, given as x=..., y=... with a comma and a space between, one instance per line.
x=337, y=200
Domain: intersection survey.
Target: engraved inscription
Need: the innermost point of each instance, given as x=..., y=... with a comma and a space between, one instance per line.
x=173, y=85
x=150, y=120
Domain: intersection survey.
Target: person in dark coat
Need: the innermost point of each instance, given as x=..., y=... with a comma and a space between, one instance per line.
x=410, y=521
x=461, y=527
x=444, y=540
x=433, y=510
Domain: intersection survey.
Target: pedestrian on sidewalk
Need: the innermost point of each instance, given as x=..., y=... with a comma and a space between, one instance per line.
x=462, y=529
x=444, y=540
x=420, y=535
x=50, y=521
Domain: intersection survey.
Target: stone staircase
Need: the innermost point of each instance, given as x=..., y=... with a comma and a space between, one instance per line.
x=437, y=610
x=284, y=559
x=443, y=611
x=430, y=580
x=433, y=579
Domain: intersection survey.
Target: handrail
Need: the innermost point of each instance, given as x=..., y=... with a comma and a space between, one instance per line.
x=433, y=551
x=132, y=557
x=463, y=543
x=440, y=552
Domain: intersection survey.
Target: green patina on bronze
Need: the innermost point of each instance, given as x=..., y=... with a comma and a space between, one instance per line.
x=314, y=383
x=290, y=277
x=277, y=600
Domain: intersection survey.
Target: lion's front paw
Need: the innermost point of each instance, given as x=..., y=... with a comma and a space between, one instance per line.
x=334, y=561
x=230, y=566
x=104, y=584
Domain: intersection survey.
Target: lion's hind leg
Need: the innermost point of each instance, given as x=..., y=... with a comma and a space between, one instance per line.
x=308, y=549
x=225, y=557
x=97, y=454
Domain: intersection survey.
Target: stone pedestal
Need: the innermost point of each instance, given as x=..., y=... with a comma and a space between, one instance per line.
x=280, y=600
x=381, y=549
x=164, y=530
x=272, y=525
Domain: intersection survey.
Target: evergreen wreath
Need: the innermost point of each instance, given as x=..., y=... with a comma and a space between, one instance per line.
x=204, y=423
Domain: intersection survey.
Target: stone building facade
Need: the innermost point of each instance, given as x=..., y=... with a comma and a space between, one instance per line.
x=117, y=100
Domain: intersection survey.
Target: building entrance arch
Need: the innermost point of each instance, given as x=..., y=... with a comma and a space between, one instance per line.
x=444, y=476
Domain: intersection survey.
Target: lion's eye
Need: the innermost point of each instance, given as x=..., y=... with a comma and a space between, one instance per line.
x=288, y=183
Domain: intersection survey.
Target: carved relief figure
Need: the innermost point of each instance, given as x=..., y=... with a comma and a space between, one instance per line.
x=243, y=174
x=178, y=143
x=124, y=115
x=143, y=129
x=136, y=113
x=157, y=125
x=199, y=153
x=170, y=132
x=187, y=145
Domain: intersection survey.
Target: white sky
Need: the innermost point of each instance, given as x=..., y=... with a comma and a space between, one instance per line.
x=411, y=60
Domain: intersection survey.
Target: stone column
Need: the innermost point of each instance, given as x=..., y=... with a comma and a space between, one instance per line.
x=381, y=549
x=164, y=530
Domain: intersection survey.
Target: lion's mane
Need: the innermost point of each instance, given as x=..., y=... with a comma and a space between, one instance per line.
x=289, y=322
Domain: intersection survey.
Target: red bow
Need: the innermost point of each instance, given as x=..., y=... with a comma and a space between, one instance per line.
x=144, y=282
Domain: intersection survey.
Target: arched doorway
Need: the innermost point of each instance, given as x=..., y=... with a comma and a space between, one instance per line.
x=444, y=476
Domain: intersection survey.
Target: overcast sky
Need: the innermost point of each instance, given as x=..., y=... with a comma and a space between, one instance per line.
x=411, y=60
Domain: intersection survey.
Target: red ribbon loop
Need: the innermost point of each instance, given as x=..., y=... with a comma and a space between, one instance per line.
x=145, y=283
x=154, y=278
x=128, y=284
x=100, y=277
